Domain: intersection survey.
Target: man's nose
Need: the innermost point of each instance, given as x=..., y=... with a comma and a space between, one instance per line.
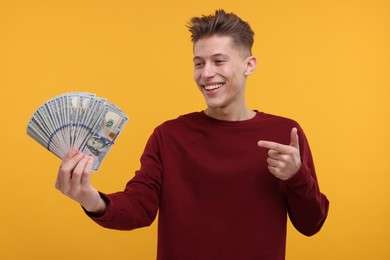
x=208, y=71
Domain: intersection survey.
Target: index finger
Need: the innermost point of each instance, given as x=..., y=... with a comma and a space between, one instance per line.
x=281, y=148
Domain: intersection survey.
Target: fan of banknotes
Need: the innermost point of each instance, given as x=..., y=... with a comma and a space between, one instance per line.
x=77, y=119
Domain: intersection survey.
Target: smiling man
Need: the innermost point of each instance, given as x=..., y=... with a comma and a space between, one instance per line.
x=224, y=179
x=220, y=71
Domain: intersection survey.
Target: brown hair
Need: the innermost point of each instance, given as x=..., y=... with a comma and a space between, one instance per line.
x=222, y=24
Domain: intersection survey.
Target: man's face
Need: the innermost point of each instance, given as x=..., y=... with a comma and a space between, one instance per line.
x=220, y=71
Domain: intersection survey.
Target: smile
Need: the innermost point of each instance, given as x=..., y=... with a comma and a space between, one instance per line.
x=212, y=87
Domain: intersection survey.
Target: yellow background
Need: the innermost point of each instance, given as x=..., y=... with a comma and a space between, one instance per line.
x=324, y=63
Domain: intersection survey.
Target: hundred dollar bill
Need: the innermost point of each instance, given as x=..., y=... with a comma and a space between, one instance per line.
x=77, y=119
x=103, y=135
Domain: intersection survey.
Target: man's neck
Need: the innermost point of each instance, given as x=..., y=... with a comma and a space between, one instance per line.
x=236, y=115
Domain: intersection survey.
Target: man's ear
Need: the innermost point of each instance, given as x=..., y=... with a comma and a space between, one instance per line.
x=250, y=65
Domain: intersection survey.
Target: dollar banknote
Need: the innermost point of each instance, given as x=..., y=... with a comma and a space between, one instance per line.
x=77, y=119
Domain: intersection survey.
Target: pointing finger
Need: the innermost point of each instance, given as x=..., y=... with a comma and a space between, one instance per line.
x=281, y=148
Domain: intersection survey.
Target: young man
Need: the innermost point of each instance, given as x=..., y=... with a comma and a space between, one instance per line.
x=223, y=179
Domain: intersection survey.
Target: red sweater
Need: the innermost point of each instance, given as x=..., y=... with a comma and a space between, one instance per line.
x=216, y=199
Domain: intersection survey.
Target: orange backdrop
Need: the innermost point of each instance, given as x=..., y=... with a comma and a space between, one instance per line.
x=323, y=63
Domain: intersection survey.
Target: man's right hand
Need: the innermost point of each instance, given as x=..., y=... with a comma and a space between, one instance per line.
x=74, y=180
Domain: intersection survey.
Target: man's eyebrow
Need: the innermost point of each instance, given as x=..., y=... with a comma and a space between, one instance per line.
x=197, y=58
x=213, y=56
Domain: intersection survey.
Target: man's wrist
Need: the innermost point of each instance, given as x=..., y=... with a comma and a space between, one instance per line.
x=98, y=208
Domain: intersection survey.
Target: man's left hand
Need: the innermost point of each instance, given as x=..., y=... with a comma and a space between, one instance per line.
x=284, y=161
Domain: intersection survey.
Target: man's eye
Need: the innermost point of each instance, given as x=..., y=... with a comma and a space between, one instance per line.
x=219, y=61
x=198, y=64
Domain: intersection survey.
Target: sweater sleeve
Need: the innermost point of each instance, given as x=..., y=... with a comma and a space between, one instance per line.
x=307, y=206
x=138, y=204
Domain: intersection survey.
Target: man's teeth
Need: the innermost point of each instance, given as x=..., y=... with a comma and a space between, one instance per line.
x=212, y=87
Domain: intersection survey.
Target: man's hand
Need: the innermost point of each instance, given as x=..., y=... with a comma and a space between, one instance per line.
x=74, y=180
x=284, y=161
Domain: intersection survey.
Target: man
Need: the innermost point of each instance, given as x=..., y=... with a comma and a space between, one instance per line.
x=223, y=179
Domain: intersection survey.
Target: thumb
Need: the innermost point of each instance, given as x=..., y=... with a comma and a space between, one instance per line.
x=72, y=152
x=294, y=138
x=86, y=176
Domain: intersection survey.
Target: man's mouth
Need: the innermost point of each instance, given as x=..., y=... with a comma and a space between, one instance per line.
x=212, y=87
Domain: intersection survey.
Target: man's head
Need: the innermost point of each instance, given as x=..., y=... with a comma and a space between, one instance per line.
x=223, y=24
x=222, y=61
